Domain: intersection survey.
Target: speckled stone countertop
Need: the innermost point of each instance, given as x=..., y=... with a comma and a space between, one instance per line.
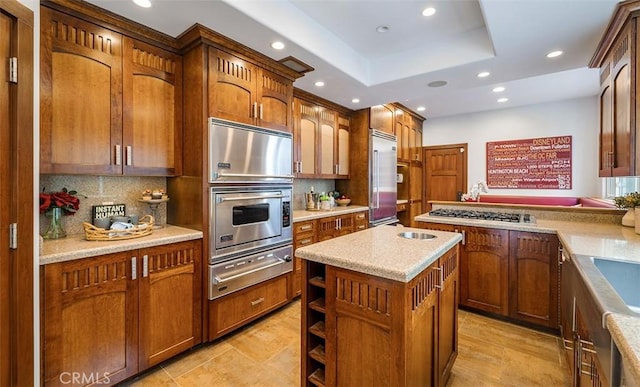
x=379, y=251
x=585, y=238
x=303, y=215
x=76, y=246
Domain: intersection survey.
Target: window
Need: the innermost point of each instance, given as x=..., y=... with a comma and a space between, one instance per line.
x=618, y=186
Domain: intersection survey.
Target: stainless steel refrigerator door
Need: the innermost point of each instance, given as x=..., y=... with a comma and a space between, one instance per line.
x=382, y=179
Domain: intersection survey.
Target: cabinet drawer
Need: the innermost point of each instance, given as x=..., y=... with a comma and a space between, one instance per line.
x=233, y=311
x=361, y=216
x=401, y=207
x=308, y=226
x=304, y=239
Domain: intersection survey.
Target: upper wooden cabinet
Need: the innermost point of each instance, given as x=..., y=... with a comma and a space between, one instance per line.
x=616, y=56
x=321, y=138
x=381, y=118
x=108, y=104
x=243, y=92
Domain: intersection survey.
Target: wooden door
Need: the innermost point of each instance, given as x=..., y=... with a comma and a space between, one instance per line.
x=90, y=319
x=448, y=315
x=381, y=118
x=622, y=104
x=80, y=96
x=232, y=87
x=415, y=140
x=533, y=278
x=484, y=264
x=327, y=143
x=445, y=173
x=6, y=156
x=170, y=301
x=606, y=121
x=416, y=206
x=306, y=129
x=16, y=202
x=152, y=121
x=344, y=136
x=274, y=96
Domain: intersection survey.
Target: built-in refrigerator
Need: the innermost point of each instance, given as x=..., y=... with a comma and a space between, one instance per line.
x=382, y=178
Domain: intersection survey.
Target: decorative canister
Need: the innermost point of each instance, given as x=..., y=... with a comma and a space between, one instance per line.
x=628, y=220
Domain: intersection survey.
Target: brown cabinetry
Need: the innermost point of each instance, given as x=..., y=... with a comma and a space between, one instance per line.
x=509, y=273
x=410, y=327
x=321, y=138
x=237, y=309
x=242, y=91
x=312, y=231
x=115, y=315
x=108, y=104
x=616, y=58
x=381, y=118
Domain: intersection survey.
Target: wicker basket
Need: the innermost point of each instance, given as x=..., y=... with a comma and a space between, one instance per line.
x=144, y=227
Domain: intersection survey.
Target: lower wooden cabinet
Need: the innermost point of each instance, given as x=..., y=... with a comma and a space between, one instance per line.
x=509, y=273
x=236, y=309
x=109, y=317
x=402, y=334
x=312, y=231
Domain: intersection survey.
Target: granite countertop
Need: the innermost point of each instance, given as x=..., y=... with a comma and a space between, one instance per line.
x=76, y=246
x=376, y=251
x=304, y=215
x=585, y=238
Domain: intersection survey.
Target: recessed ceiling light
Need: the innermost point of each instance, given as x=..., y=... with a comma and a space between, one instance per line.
x=437, y=83
x=498, y=89
x=501, y=100
x=355, y=100
x=554, y=54
x=429, y=11
x=143, y=3
x=483, y=74
x=319, y=83
x=421, y=108
x=382, y=29
x=277, y=45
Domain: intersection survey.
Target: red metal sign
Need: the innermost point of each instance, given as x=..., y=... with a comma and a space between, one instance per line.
x=536, y=163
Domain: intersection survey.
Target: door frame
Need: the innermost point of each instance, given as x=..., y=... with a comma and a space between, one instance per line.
x=21, y=259
x=465, y=166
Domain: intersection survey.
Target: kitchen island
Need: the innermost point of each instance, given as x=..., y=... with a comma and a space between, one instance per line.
x=379, y=308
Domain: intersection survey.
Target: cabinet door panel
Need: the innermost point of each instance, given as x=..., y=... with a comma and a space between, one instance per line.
x=382, y=118
x=533, y=278
x=448, y=315
x=327, y=155
x=169, y=301
x=606, y=131
x=276, y=94
x=152, y=122
x=231, y=87
x=80, y=96
x=484, y=270
x=90, y=323
x=343, y=147
x=622, y=121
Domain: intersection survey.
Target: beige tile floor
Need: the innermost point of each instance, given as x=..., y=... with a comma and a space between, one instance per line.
x=267, y=353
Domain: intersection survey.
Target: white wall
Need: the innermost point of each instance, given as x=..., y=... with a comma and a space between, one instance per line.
x=575, y=117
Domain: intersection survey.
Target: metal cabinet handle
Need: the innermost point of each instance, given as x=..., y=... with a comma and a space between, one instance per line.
x=440, y=278
x=258, y=301
x=464, y=237
x=305, y=227
x=128, y=155
x=261, y=110
x=145, y=266
x=118, y=157
x=134, y=269
x=255, y=110
x=221, y=200
x=305, y=241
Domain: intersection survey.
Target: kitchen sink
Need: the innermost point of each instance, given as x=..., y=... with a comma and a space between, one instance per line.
x=614, y=283
x=416, y=235
x=624, y=277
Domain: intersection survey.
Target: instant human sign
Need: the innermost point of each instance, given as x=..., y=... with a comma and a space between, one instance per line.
x=536, y=163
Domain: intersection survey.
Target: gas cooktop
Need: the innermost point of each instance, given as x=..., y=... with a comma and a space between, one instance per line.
x=484, y=215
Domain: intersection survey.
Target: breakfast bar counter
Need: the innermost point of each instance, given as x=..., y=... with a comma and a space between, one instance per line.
x=382, y=306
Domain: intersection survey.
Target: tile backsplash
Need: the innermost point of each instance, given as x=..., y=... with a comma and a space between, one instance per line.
x=301, y=186
x=94, y=190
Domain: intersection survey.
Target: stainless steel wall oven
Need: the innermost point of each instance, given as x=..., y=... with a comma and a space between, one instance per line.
x=250, y=225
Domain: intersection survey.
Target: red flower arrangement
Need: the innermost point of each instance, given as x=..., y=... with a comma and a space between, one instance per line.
x=64, y=199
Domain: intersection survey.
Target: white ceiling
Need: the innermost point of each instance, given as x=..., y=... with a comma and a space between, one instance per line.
x=508, y=38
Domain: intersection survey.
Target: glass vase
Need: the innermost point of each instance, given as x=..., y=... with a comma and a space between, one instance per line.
x=55, y=230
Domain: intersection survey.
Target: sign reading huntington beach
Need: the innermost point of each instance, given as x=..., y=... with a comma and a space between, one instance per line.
x=536, y=163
